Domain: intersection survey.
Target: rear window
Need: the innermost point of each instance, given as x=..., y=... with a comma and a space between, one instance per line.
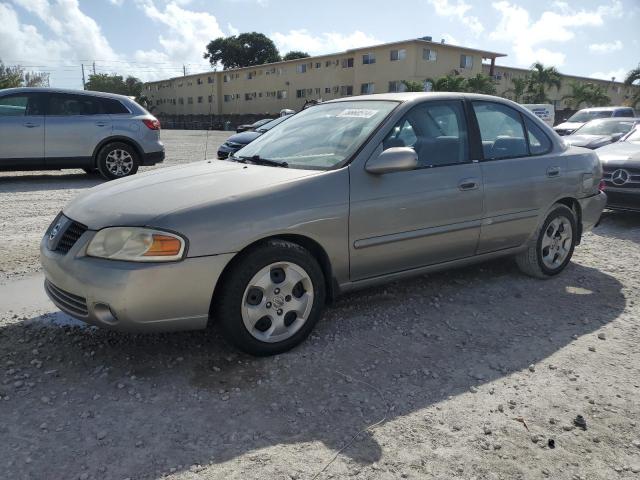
x=623, y=112
x=113, y=106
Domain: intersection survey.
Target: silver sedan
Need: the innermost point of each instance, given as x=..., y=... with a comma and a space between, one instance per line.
x=344, y=195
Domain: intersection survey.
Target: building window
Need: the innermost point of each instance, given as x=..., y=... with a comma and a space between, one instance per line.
x=301, y=93
x=429, y=54
x=346, y=90
x=209, y=79
x=327, y=90
x=366, y=88
x=282, y=94
x=327, y=63
x=199, y=81
x=228, y=98
x=336, y=89
x=190, y=100
x=368, y=58
x=466, y=61
x=181, y=101
x=396, y=55
x=302, y=68
x=318, y=64
x=250, y=96
x=210, y=98
x=199, y=99
x=397, y=86
x=347, y=62
x=317, y=91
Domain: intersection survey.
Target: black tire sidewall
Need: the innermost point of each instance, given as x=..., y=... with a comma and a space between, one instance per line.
x=102, y=157
x=228, y=312
x=558, y=211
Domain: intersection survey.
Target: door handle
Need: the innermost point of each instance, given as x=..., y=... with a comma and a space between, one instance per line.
x=553, y=172
x=31, y=125
x=101, y=124
x=468, y=184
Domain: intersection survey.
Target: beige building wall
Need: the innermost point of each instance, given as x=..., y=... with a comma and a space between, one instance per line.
x=617, y=91
x=266, y=89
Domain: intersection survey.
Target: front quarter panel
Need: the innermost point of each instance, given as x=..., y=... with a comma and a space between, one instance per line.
x=316, y=207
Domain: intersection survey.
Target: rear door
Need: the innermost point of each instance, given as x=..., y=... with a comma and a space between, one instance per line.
x=521, y=177
x=75, y=126
x=21, y=130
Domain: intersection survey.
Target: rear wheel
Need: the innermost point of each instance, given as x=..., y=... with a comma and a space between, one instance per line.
x=117, y=160
x=272, y=298
x=555, y=242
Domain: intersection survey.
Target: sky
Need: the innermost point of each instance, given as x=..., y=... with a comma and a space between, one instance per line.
x=154, y=39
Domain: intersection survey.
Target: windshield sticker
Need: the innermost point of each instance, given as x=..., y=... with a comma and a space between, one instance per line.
x=357, y=113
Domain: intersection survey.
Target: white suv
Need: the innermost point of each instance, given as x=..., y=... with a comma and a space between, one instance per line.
x=581, y=117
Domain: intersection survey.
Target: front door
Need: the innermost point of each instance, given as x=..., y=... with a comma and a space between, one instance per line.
x=76, y=124
x=21, y=131
x=404, y=220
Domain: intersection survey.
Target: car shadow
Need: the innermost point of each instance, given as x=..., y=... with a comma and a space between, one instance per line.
x=47, y=181
x=619, y=224
x=115, y=405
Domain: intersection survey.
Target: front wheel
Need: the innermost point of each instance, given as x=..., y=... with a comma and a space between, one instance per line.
x=555, y=242
x=272, y=298
x=117, y=160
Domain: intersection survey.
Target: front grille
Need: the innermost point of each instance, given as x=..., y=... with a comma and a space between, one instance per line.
x=70, y=236
x=67, y=302
x=632, y=182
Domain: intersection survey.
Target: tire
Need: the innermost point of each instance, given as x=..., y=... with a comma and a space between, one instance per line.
x=552, y=250
x=248, y=313
x=117, y=160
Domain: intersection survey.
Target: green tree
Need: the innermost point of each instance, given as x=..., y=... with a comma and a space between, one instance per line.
x=112, y=83
x=295, y=54
x=411, y=86
x=586, y=93
x=450, y=83
x=542, y=78
x=242, y=50
x=481, y=84
x=633, y=79
x=15, y=76
x=518, y=87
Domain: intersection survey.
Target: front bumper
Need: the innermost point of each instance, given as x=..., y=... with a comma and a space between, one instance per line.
x=623, y=198
x=591, y=208
x=129, y=296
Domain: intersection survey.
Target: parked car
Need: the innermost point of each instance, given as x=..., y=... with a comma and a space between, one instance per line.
x=252, y=126
x=586, y=114
x=600, y=132
x=239, y=140
x=52, y=129
x=350, y=193
x=544, y=111
x=621, y=164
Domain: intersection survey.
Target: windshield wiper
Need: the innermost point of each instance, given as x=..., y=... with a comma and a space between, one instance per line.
x=263, y=161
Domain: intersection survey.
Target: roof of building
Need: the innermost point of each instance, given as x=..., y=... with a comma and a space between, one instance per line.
x=527, y=70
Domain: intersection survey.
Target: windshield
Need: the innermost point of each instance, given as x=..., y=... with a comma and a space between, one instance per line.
x=322, y=136
x=586, y=115
x=604, y=127
x=268, y=126
x=634, y=136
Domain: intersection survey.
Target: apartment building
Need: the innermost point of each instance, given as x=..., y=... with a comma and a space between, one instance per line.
x=503, y=78
x=266, y=89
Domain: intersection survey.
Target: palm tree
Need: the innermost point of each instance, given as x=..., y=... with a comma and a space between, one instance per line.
x=590, y=94
x=450, y=83
x=540, y=79
x=518, y=88
x=598, y=96
x=481, y=84
x=632, y=77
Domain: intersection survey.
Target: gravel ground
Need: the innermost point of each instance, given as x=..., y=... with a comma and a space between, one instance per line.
x=472, y=373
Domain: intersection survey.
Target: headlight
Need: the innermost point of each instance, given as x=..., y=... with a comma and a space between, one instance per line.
x=136, y=245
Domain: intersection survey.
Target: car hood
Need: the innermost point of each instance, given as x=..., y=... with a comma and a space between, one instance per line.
x=620, y=152
x=243, y=138
x=141, y=199
x=568, y=126
x=588, y=141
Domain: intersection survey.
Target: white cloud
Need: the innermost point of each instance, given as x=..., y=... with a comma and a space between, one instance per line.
x=619, y=75
x=559, y=25
x=327, y=42
x=606, y=47
x=458, y=9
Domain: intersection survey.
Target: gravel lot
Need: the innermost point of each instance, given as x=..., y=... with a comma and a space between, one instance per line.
x=466, y=374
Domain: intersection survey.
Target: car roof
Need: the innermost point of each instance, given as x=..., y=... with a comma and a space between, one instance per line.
x=63, y=90
x=412, y=97
x=616, y=119
x=604, y=109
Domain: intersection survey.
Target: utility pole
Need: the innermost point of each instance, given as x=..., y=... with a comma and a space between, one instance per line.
x=184, y=70
x=94, y=67
x=84, y=85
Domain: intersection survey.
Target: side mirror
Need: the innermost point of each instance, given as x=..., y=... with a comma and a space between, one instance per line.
x=395, y=159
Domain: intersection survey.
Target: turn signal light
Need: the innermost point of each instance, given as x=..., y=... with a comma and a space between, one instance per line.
x=152, y=124
x=163, y=246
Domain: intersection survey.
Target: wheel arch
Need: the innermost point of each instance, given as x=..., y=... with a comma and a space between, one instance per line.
x=574, y=205
x=116, y=138
x=316, y=250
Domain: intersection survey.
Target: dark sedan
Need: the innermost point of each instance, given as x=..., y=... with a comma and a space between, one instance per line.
x=249, y=127
x=600, y=132
x=239, y=140
x=621, y=172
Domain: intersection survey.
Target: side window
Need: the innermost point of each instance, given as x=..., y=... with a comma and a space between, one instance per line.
x=112, y=106
x=436, y=131
x=20, y=105
x=625, y=112
x=67, y=105
x=501, y=131
x=539, y=143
